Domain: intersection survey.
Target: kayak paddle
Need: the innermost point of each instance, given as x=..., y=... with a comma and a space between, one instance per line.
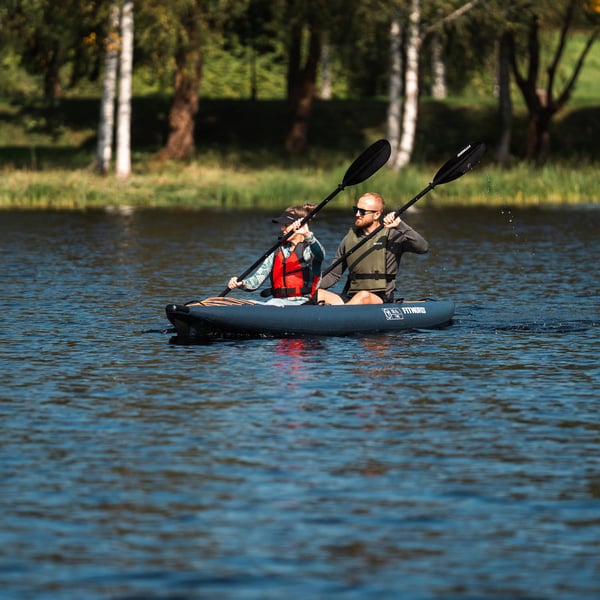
x=452, y=169
x=368, y=163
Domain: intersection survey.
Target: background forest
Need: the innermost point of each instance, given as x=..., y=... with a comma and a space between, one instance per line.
x=252, y=102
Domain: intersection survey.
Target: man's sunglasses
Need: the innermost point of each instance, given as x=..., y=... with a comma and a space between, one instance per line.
x=362, y=211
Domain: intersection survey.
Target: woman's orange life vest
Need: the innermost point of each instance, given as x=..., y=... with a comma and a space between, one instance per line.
x=292, y=276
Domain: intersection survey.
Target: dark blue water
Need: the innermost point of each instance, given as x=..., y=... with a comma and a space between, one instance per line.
x=461, y=463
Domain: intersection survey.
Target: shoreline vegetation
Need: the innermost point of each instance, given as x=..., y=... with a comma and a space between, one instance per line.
x=47, y=156
x=197, y=187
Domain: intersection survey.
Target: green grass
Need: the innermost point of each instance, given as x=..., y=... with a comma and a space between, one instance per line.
x=196, y=186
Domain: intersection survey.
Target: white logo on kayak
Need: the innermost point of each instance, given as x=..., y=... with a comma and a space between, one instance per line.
x=414, y=310
x=393, y=314
x=397, y=314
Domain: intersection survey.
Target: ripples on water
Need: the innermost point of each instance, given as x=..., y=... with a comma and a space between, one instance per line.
x=461, y=463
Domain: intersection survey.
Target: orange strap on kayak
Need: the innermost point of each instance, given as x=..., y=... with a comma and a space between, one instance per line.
x=220, y=301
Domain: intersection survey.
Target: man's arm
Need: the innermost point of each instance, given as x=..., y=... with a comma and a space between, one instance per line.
x=406, y=239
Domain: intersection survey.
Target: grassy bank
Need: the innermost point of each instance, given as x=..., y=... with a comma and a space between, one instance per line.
x=195, y=186
x=47, y=157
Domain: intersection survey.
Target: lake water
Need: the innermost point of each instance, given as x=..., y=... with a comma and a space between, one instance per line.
x=456, y=463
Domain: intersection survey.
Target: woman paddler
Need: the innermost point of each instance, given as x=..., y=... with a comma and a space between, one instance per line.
x=295, y=267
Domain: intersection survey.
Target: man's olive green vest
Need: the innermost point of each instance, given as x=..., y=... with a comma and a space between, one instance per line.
x=366, y=266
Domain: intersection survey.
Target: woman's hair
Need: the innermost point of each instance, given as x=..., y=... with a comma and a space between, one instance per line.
x=302, y=209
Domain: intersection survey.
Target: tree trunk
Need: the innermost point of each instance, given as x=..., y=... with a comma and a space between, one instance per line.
x=182, y=116
x=253, y=74
x=411, y=104
x=538, y=135
x=543, y=104
x=52, y=81
x=439, y=90
x=504, y=101
x=302, y=80
x=123, y=167
x=109, y=92
x=394, y=112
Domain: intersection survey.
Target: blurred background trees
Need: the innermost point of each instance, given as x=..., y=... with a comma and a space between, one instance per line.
x=301, y=51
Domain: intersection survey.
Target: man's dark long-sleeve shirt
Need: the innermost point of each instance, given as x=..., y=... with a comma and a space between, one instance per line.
x=401, y=239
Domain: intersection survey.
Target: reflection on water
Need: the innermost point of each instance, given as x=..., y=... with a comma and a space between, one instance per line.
x=429, y=464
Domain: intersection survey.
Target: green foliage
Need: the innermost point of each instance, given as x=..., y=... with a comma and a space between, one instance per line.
x=13, y=79
x=587, y=87
x=47, y=152
x=236, y=71
x=57, y=41
x=250, y=133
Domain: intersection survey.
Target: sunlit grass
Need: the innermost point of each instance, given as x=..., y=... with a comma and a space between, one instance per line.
x=199, y=186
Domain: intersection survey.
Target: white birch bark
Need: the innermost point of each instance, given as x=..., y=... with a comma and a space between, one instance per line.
x=123, y=162
x=438, y=70
x=325, y=68
x=394, y=112
x=504, y=102
x=411, y=102
x=109, y=92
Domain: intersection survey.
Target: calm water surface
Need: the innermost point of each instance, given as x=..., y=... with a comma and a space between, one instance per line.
x=461, y=463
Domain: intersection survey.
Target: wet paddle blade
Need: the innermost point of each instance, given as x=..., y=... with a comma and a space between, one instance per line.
x=458, y=165
x=368, y=163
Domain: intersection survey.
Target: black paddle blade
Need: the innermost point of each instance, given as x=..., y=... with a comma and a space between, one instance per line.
x=458, y=165
x=368, y=163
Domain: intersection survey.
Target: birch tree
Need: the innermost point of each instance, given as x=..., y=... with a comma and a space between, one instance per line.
x=504, y=101
x=325, y=68
x=123, y=159
x=395, y=89
x=438, y=69
x=416, y=33
x=411, y=88
x=109, y=92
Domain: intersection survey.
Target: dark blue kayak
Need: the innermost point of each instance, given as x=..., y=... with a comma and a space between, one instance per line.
x=228, y=317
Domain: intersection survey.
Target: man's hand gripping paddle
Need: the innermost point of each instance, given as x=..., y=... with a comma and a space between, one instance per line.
x=456, y=167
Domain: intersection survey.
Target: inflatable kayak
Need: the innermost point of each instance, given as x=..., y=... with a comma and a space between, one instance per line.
x=227, y=317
